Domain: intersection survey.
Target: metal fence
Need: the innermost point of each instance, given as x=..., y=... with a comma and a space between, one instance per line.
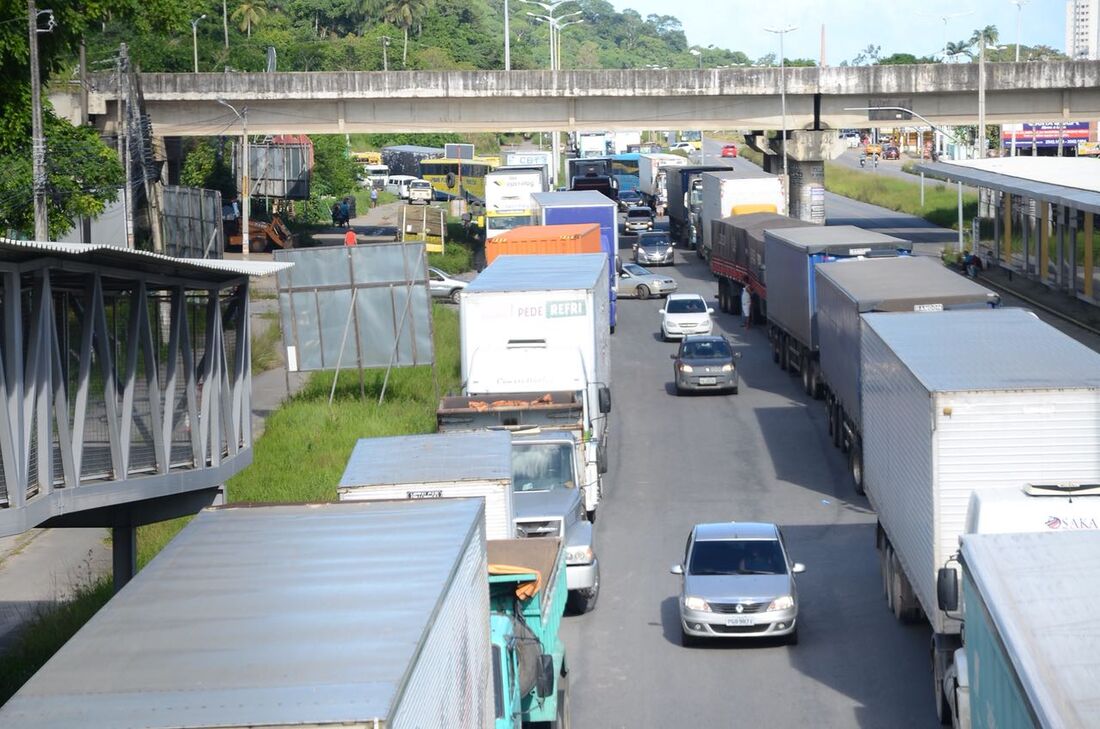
x=193, y=222
x=363, y=306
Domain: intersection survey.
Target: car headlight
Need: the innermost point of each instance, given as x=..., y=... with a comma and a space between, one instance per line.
x=686, y=368
x=727, y=368
x=579, y=555
x=696, y=603
x=668, y=252
x=781, y=603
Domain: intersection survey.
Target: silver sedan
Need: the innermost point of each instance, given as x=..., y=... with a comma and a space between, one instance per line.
x=444, y=286
x=737, y=583
x=640, y=282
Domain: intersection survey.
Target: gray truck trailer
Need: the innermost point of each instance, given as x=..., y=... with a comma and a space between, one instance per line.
x=364, y=615
x=903, y=284
x=791, y=255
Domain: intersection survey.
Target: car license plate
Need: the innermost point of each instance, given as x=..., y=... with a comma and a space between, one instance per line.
x=707, y=380
x=741, y=620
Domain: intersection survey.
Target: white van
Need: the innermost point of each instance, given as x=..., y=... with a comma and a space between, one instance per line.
x=399, y=185
x=420, y=191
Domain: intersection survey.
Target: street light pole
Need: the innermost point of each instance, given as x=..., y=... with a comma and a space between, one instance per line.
x=385, y=59
x=507, y=41
x=1019, y=11
x=245, y=191
x=38, y=136
x=782, y=89
x=195, y=40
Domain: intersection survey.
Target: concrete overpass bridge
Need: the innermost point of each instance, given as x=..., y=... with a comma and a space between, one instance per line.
x=460, y=101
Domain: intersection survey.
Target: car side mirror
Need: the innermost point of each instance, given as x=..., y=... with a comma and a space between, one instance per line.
x=710, y=310
x=604, y=395
x=661, y=312
x=798, y=568
x=673, y=356
x=947, y=589
x=544, y=682
x=677, y=569
x=737, y=355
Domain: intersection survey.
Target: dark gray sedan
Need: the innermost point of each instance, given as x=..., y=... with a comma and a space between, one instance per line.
x=705, y=362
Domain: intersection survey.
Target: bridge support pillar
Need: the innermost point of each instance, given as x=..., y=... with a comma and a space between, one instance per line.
x=807, y=152
x=123, y=554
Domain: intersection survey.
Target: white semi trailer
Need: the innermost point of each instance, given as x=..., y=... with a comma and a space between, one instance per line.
x=958, y=402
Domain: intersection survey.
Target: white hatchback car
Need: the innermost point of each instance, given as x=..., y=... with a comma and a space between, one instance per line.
x=685, y=314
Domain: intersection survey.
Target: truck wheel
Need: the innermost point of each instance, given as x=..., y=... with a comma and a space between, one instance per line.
x=838, y=420
x=643, y=292
x=580, y=602
x=855, y=466
x=563, y=720
x=939, y=668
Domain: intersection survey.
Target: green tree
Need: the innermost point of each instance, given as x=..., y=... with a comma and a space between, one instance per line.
x=988, y=34
x=249, y=13
x=206, y=165
x=333, y=169
x=405, y=14
x=902, y=59
x=958, y=48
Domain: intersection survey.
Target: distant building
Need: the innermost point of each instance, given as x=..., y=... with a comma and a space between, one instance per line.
x=1083, y=29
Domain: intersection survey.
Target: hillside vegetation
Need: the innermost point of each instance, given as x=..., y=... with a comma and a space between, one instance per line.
x=348, y=35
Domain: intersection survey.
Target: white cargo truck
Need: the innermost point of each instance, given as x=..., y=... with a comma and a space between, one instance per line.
x=737, y=192
x=1030, y=656
x=436, y=466
x=653, y=178
x=533, y=325
x=843, y=292
x=958, y=402
x=508, y=202
x=368, y=616
x=542, y=158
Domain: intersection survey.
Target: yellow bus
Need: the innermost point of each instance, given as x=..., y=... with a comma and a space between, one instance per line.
x=367, y=158
x=458, y=178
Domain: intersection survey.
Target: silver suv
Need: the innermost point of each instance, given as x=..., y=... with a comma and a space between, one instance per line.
x=737, y=583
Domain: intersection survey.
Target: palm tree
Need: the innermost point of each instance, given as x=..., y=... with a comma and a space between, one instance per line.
x=988, y=34
x=249, y=13
x=405, y=14
x=960, y=48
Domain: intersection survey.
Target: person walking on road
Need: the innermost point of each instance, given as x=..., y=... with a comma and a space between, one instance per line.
x=350, y=239
x=345, y=213
x=335, y=214
x=374, y=197
x=746, y=306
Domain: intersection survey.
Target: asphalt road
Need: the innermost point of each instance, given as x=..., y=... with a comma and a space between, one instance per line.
x=760, y=455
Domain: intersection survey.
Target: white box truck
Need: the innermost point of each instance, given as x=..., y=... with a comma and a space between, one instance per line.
x=958, y=402
x=369, y=615
x=508, y=201
x=1030, y=656
x=543, y=158
x=653, y=178
x=738, y=192
x=436, y=466
x=533, y=325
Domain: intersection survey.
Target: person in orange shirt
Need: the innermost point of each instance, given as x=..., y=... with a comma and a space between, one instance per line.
x=350, y=238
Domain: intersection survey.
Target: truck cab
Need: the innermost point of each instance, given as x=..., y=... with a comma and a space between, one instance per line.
x=548, y=502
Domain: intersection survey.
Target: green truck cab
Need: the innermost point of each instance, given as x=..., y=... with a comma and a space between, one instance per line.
x=527, y=592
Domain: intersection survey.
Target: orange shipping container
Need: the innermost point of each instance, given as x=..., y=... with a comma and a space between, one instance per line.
x=528, y=240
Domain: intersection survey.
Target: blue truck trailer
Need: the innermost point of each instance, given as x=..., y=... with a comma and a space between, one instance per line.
x=527, y=594
x=562, y=208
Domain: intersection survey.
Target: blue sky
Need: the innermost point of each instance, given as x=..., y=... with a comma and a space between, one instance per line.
x=850, y=25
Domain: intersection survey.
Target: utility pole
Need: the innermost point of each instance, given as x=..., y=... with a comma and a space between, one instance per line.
x=980, y=141
x=245, y=191
x=38, y=139
x=385, y=58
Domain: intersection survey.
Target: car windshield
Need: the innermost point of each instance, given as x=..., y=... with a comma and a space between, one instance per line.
x=654, y=241
x=737, y=557
x=629, y=195
x=685, y=306
x=635, y=270
x=706, y=349
x=639, y=213
x=542, y=467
